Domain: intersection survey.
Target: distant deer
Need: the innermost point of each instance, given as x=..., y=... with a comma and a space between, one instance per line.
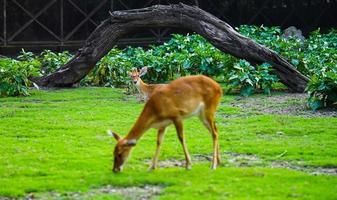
x=172, y=103
x=144, y=89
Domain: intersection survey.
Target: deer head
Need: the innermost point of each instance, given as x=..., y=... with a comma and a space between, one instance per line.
x=135, y=74
x=122, y=151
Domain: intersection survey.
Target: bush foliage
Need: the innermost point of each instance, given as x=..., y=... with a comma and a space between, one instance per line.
x=181, y=56
x=15, y=73
x=316, y=57
x=14, y=76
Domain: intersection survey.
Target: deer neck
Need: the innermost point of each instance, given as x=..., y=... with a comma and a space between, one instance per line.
x=142, y=124
x=141, y=86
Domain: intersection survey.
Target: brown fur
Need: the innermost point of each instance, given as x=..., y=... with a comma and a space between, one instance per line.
x=192, y=95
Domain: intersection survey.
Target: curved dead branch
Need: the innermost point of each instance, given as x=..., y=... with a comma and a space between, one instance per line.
x=217, y=32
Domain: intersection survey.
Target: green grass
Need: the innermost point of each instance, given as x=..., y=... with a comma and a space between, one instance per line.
x=57, y=141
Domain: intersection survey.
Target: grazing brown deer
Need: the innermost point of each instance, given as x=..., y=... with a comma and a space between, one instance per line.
x=172, y=103
x=144, y=89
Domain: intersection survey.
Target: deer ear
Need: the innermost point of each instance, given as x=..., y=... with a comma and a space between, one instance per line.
x=131, y=143
x=143, y=71
x=115, y=135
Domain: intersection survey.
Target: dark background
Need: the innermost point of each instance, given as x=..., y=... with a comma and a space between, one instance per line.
x=65, y=24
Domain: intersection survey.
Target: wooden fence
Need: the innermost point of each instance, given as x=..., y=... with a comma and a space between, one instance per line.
x=65, y=24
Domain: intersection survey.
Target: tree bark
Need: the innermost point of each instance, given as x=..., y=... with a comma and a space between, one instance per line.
x=217, y=32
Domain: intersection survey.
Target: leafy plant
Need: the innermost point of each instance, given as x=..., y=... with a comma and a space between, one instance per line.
x=14, y=76
x=26, y=55
x=180, y=56
x=183, y=55
x=315, y=57
x=111, y=70
x=50, y=61
x=249, y=78
x=322, y=88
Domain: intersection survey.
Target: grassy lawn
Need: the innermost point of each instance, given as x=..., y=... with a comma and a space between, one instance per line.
x=56, y=141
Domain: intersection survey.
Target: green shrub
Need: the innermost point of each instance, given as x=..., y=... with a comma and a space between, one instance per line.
x=249, y=78
x=180, y=56
x=320, y=60
x=51, y=61
x=111, y=70
x=322, y=88
x=315, y=57
x=183, y=55
x=192, y=54
x=14, y=76
x=26, y=56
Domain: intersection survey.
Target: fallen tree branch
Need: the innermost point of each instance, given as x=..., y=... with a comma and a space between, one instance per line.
x=217, y=32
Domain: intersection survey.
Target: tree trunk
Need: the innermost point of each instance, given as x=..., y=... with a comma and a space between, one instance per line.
x=217, y=32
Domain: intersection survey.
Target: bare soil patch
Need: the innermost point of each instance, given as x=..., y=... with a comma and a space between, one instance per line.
x=230, y=159
x=283, y=104
x=134, y=192
x=307, y=169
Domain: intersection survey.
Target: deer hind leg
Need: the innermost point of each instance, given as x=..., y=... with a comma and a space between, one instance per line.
x=207, y=118
x=160, y=136
x=180, y=132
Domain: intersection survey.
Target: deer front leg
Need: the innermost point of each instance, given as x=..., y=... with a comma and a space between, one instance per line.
x=180, y=132
x=160, y=136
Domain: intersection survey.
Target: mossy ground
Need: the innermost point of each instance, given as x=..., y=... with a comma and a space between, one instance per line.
x=56, y=141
